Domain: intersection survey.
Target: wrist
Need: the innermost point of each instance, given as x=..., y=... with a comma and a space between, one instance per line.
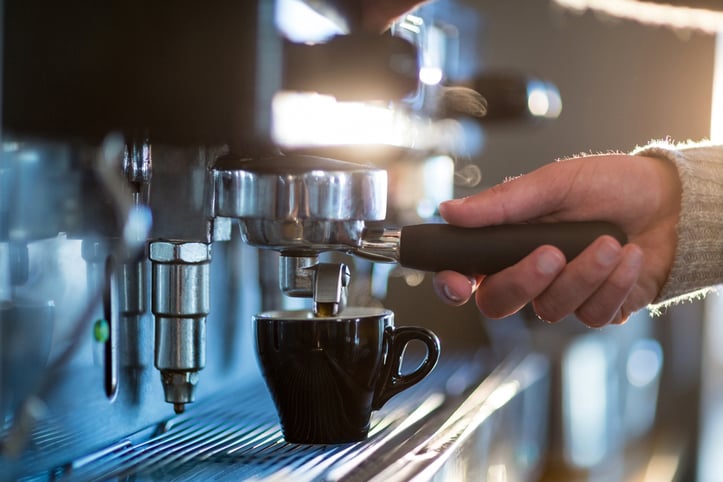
x=698, y=260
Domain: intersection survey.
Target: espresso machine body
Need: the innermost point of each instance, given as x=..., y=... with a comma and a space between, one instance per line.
x=148, y=210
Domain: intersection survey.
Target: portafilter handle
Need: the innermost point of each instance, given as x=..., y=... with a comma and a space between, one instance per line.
x=486, y=250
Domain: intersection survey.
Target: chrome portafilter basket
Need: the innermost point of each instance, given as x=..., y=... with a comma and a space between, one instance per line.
x=302, y=206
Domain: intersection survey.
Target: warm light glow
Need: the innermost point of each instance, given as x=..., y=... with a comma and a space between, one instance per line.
x=653, y=13
x=430, y=75
x=711, y=440
x=312, y=119
x=538, y=103
x=503, y=394
x=543, y=100
x=662, y=466
x=497, y=473
x=307, y=119
x=716, y=121
x=300, y=23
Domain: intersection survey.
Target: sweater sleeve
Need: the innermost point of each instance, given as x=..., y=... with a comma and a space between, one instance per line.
x=698, y=263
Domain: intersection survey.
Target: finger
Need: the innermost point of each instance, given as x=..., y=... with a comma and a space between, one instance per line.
x=527, y=197
x=504, y=293
x=605, y=305
x=453, y=288
x=637, y=299
x=581, y=278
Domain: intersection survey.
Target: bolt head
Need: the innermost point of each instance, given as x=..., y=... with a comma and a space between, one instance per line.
x=175, y=252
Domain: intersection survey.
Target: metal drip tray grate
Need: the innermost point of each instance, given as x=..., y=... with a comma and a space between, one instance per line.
x=236, y=436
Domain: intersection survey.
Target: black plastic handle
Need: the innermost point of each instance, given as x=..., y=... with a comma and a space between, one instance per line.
x=487, y=250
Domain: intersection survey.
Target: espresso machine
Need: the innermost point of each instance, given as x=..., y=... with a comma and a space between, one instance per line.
x=168, y=170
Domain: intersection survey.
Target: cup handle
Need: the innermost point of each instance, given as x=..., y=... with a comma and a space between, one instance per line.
x=392, y=381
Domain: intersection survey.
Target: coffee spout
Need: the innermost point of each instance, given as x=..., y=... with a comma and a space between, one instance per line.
x=331, y=282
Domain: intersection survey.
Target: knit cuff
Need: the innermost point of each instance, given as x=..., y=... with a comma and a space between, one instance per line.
x=698, y=263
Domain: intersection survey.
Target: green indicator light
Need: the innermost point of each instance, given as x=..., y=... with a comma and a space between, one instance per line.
x=101, y=331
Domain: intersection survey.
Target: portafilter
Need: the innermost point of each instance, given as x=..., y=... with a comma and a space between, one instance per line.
x=305, y=205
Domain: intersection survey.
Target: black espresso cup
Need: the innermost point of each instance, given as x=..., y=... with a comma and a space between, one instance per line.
x=327, y=374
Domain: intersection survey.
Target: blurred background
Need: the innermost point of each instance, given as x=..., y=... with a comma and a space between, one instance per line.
x=635, y=402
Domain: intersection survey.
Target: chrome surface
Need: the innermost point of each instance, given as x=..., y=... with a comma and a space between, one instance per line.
x=180, y=280
x=331, y=284
x=296, y=275
x=181, y=252
x=181, y=302
x=327, y=284
x=422, y=429
x=70, y=414
x=133, y=299
x=179, y=387
x=132, y=307
x=304, y=236
x=180, y=343
x=301, y=187
x=137, y=161
x=380, y=245
x=180, y=289
x=502, y=422
x=300, y=202
x=83, y=221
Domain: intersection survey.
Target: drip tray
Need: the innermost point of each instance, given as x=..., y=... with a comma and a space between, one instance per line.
x=236, y=436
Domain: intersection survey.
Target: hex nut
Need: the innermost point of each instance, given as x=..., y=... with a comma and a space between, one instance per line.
x=179, y=378
x=179, y=252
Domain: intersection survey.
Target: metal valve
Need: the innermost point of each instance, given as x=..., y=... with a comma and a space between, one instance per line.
x=326, y=283
x=180, y=305
x=331, y=282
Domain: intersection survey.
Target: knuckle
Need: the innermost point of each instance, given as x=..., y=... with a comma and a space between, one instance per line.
x=619, y=284
x=592, y=277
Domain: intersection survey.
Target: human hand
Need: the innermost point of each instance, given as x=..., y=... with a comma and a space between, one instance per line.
x=606, y=282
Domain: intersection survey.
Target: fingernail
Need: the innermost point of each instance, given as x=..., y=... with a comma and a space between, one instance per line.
x=549, y=263
x=453, y=202
x=607, y=254
x=450, y=295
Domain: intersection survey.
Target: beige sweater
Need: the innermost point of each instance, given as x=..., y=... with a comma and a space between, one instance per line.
x=698, y=263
